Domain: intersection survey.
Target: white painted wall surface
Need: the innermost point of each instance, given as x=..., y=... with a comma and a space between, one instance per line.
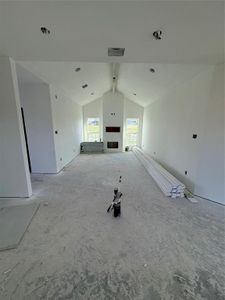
x=14, y=172
x=123, y=108
x=93, y=110
x=195, y=107
x=133, y=110
x=67, y=121
x=210, y=180
x=113, y=103
x=35, y=100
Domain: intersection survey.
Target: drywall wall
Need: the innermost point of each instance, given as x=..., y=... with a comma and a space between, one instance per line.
x=113, y=115
x=133, y=110
x=93, y=110
x=14, y=172
x=210, y=179
x=67, y=127
x=170, y=122
x=35, y=100
x=104, y=108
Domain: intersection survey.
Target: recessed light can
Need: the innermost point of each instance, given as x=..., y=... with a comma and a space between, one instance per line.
x=45, y=30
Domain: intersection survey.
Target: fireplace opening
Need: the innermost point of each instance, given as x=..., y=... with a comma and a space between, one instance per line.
x=112, y=145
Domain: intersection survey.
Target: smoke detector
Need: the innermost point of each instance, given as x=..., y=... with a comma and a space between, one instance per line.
x=116, y=51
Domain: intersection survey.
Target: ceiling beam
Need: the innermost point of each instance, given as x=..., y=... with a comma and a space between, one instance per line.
x=115, y=74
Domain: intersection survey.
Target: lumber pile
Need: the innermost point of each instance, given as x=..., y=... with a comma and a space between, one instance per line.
x=168, y=184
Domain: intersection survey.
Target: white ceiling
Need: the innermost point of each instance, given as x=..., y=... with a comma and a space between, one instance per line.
x=82, y=31
x=63, y=75
x=148, y=87
x=132, y=78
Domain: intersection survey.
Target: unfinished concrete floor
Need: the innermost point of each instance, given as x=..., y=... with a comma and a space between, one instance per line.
x=158, y=249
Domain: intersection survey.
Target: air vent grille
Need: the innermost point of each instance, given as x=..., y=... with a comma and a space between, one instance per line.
x=116, y=51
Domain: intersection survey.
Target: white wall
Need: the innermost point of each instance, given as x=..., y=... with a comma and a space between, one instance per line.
x=210, y=179
x=195, y=107
x=133, y=110
x=123, y=109
x=14, y=172
x=113, y=103
x=93, y=109
x=35, y=100
x=53, y=123
x=67, y=121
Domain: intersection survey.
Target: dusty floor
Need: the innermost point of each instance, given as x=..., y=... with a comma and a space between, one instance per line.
x=158, y=249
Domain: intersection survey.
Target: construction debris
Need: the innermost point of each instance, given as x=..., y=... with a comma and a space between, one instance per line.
x=168, y=184
x=188, y=195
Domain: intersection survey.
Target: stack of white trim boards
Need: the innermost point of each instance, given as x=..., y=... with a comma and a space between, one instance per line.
x=169, y=185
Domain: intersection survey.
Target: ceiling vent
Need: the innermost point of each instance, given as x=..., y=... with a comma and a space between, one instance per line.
x=116, y=51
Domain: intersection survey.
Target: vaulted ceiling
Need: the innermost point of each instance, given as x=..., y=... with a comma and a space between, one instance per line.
x=82, y=31
x=145, y=83
x=135, y=81
x=65, y=75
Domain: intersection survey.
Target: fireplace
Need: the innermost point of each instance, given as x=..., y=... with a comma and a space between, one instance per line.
x=112, y=145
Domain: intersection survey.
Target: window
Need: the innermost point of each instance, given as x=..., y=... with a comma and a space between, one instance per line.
x=93, y=129
x=132, y=130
